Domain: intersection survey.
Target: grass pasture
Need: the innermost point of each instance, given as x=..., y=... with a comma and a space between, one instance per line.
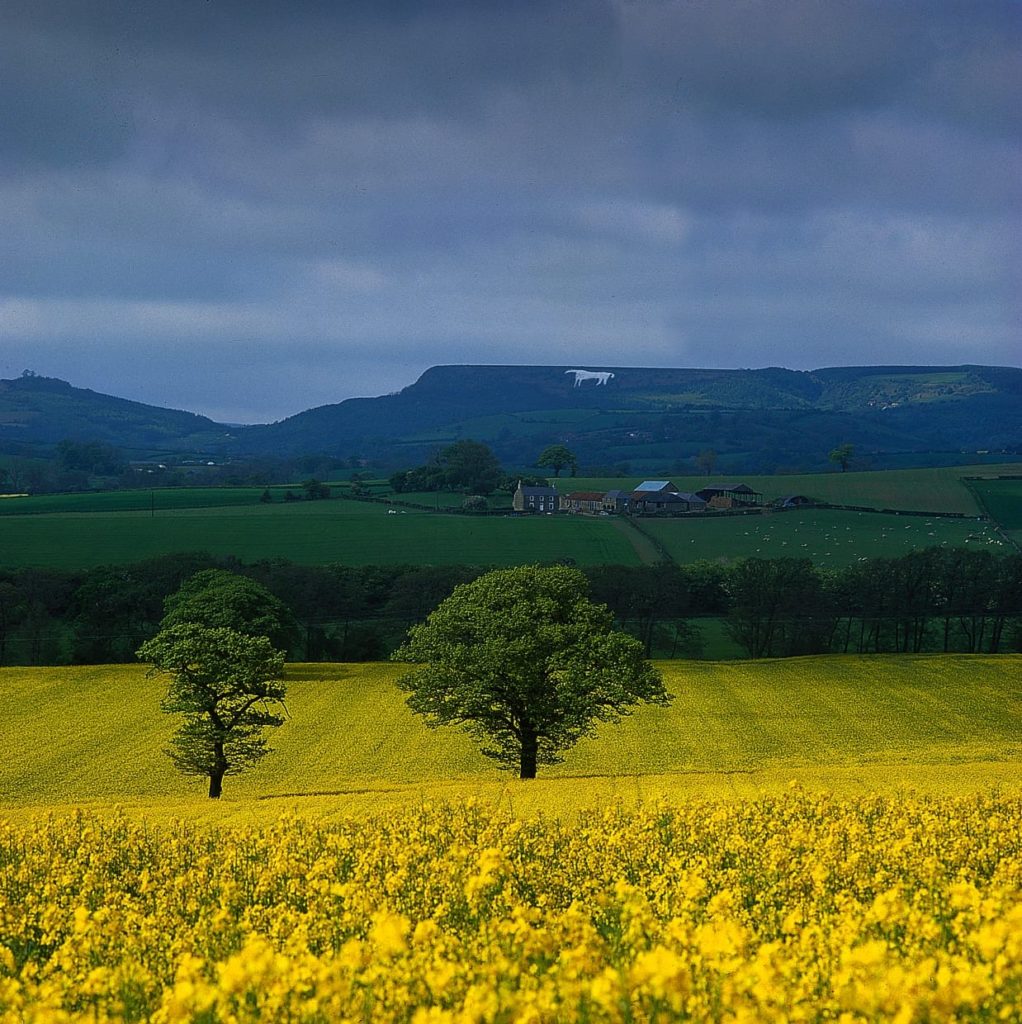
x=829, y=537
x=320, y=532
x=159, y=499
x=93, y=736
x=1003, y=501
x=364, y=533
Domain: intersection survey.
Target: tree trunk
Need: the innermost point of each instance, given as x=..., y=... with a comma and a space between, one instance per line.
x=218, y=771
x=530, y=751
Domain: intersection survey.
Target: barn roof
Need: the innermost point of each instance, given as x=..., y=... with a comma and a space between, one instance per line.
x=656, y=485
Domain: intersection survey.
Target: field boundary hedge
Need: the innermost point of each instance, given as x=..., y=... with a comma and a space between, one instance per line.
x=895, y=511
x=375, y=499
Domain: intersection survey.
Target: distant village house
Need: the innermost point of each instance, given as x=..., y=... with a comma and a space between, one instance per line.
x=534, y=499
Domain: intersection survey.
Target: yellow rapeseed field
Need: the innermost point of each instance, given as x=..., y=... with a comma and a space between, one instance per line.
x=797, y=907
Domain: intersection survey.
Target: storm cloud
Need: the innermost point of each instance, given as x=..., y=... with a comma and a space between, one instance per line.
x=248, y=209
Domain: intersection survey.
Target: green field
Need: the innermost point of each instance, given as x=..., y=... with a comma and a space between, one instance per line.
x=158, y=499
x=93, y=736
x=319, y=532
x=923, y=490
x=1003, y=502
x=826, y=536
x=84, y=530
x=363, y=533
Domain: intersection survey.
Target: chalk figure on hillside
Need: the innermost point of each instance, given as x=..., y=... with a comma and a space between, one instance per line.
x=600, y=376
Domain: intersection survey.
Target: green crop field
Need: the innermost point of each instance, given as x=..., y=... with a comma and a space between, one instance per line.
x=923, y=490
x=319, y=532
x=94, y=736
x=363, y=533
x=158, y=499
x=1003, y=501
x=826, y=536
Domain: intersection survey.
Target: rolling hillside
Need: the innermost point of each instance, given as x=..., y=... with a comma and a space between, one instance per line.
x=761, y=420
x=44, y=410
x=755, y=419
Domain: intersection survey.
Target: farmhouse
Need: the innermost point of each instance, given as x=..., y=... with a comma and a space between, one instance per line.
x=534, y=499
x=730, y=496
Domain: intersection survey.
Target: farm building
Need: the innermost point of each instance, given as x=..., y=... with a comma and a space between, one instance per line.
x=730, y=496
x=793, y=501
x=615, y=501
x=534, y=499
x=656, y=487
x=583, y=501
x=664, y=503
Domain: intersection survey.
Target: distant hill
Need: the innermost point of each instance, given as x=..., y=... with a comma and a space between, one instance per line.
x=757, y=420
x=44, y=410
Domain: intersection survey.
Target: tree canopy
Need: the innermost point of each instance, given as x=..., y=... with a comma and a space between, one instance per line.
x=706, y=460
x=842, y=455
x=471, y=466
x=227, y=685
x=557, y=456
x=216, y=597
x=526, y=663
x=467, y=466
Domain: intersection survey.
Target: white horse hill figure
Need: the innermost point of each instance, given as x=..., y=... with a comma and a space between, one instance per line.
x=601, y=376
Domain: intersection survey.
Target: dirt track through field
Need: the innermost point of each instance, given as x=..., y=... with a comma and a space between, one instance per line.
x=644, y=547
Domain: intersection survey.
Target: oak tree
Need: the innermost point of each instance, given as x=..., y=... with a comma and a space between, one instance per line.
x=228, y=687
x=216, y=597
x=556, y=457
x=527, y=664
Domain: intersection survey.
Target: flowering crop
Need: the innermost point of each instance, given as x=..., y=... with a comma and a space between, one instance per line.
x=794, y=908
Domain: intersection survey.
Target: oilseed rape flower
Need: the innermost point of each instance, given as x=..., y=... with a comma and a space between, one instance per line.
x=800, y=908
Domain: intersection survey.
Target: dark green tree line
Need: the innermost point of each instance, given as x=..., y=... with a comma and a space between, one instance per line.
x=940, y=599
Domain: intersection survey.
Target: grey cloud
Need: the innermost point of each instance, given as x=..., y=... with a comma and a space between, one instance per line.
x=322, y=200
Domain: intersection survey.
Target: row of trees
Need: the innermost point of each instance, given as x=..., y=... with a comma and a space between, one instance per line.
x=472, y=468
x=72, y=466
x=943, y=599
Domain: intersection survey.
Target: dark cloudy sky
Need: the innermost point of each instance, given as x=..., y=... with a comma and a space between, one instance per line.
x=246, y=208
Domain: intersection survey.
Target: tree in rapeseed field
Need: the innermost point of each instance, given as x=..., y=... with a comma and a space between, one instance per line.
x=227, y=685
x=526, y=663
